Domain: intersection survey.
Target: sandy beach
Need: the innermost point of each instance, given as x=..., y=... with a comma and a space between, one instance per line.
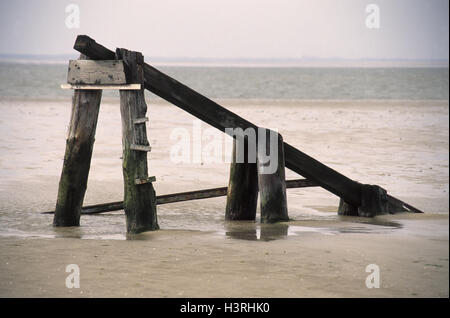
x=170, y=263
x=399, y=145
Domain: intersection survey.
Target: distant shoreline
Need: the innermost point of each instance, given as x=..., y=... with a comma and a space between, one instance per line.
x=246, y=62
x=257, y=102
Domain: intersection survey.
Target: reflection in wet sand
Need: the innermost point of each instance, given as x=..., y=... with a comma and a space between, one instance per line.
x=367, y=225
x=251, y=231
x=371, y=221
x=81, y=233
x=68, y=232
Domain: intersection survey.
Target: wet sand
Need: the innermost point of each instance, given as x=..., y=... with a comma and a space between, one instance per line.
x=400, y=145
x=170, y=263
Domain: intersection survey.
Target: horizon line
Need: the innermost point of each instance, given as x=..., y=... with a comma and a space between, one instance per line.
x=242, y=61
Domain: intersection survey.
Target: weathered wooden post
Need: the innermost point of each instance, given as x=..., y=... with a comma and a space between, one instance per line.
x=271, y=177
x=139, y=195
x=77, y=158
x=374, y=201
x=242, y=193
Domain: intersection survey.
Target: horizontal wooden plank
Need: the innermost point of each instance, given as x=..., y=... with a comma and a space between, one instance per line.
x=182, y=196
x=140, y=148
x=106, y=72
x=191, y=195
x=140, y=120
x=221, y=118
x=107, y=87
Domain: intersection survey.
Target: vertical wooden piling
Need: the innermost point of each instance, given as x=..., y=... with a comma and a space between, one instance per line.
x=139, y=194
x=374, y=201
x=77, y=158
x=272, y=186
x=242, y=193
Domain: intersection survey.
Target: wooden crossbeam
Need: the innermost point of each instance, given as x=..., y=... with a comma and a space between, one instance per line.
x=96, y=72
x=106, y=87
x=182, y=196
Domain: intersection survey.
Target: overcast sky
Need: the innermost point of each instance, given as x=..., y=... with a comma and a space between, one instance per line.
x=409, y=29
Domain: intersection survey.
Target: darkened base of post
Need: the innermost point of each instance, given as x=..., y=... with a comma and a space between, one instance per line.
x=140, y=207
x=73, y=183
x=347, y=209
x=77, y=158
x=242, y=193
x=272, y=186
x=139, y=198
x=374, y=201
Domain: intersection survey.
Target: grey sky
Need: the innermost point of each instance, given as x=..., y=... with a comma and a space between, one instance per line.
x=410, y=29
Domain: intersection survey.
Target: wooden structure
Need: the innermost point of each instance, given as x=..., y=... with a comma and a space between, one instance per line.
x=242, y=192
x=89, y=78
x=127, y=71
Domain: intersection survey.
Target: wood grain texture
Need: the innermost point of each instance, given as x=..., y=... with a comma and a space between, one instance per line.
x=96, y=72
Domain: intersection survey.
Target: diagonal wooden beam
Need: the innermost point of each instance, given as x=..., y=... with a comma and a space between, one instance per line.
x=221, y=118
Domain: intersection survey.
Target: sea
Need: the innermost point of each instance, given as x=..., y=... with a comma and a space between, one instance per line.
x=23, y=80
